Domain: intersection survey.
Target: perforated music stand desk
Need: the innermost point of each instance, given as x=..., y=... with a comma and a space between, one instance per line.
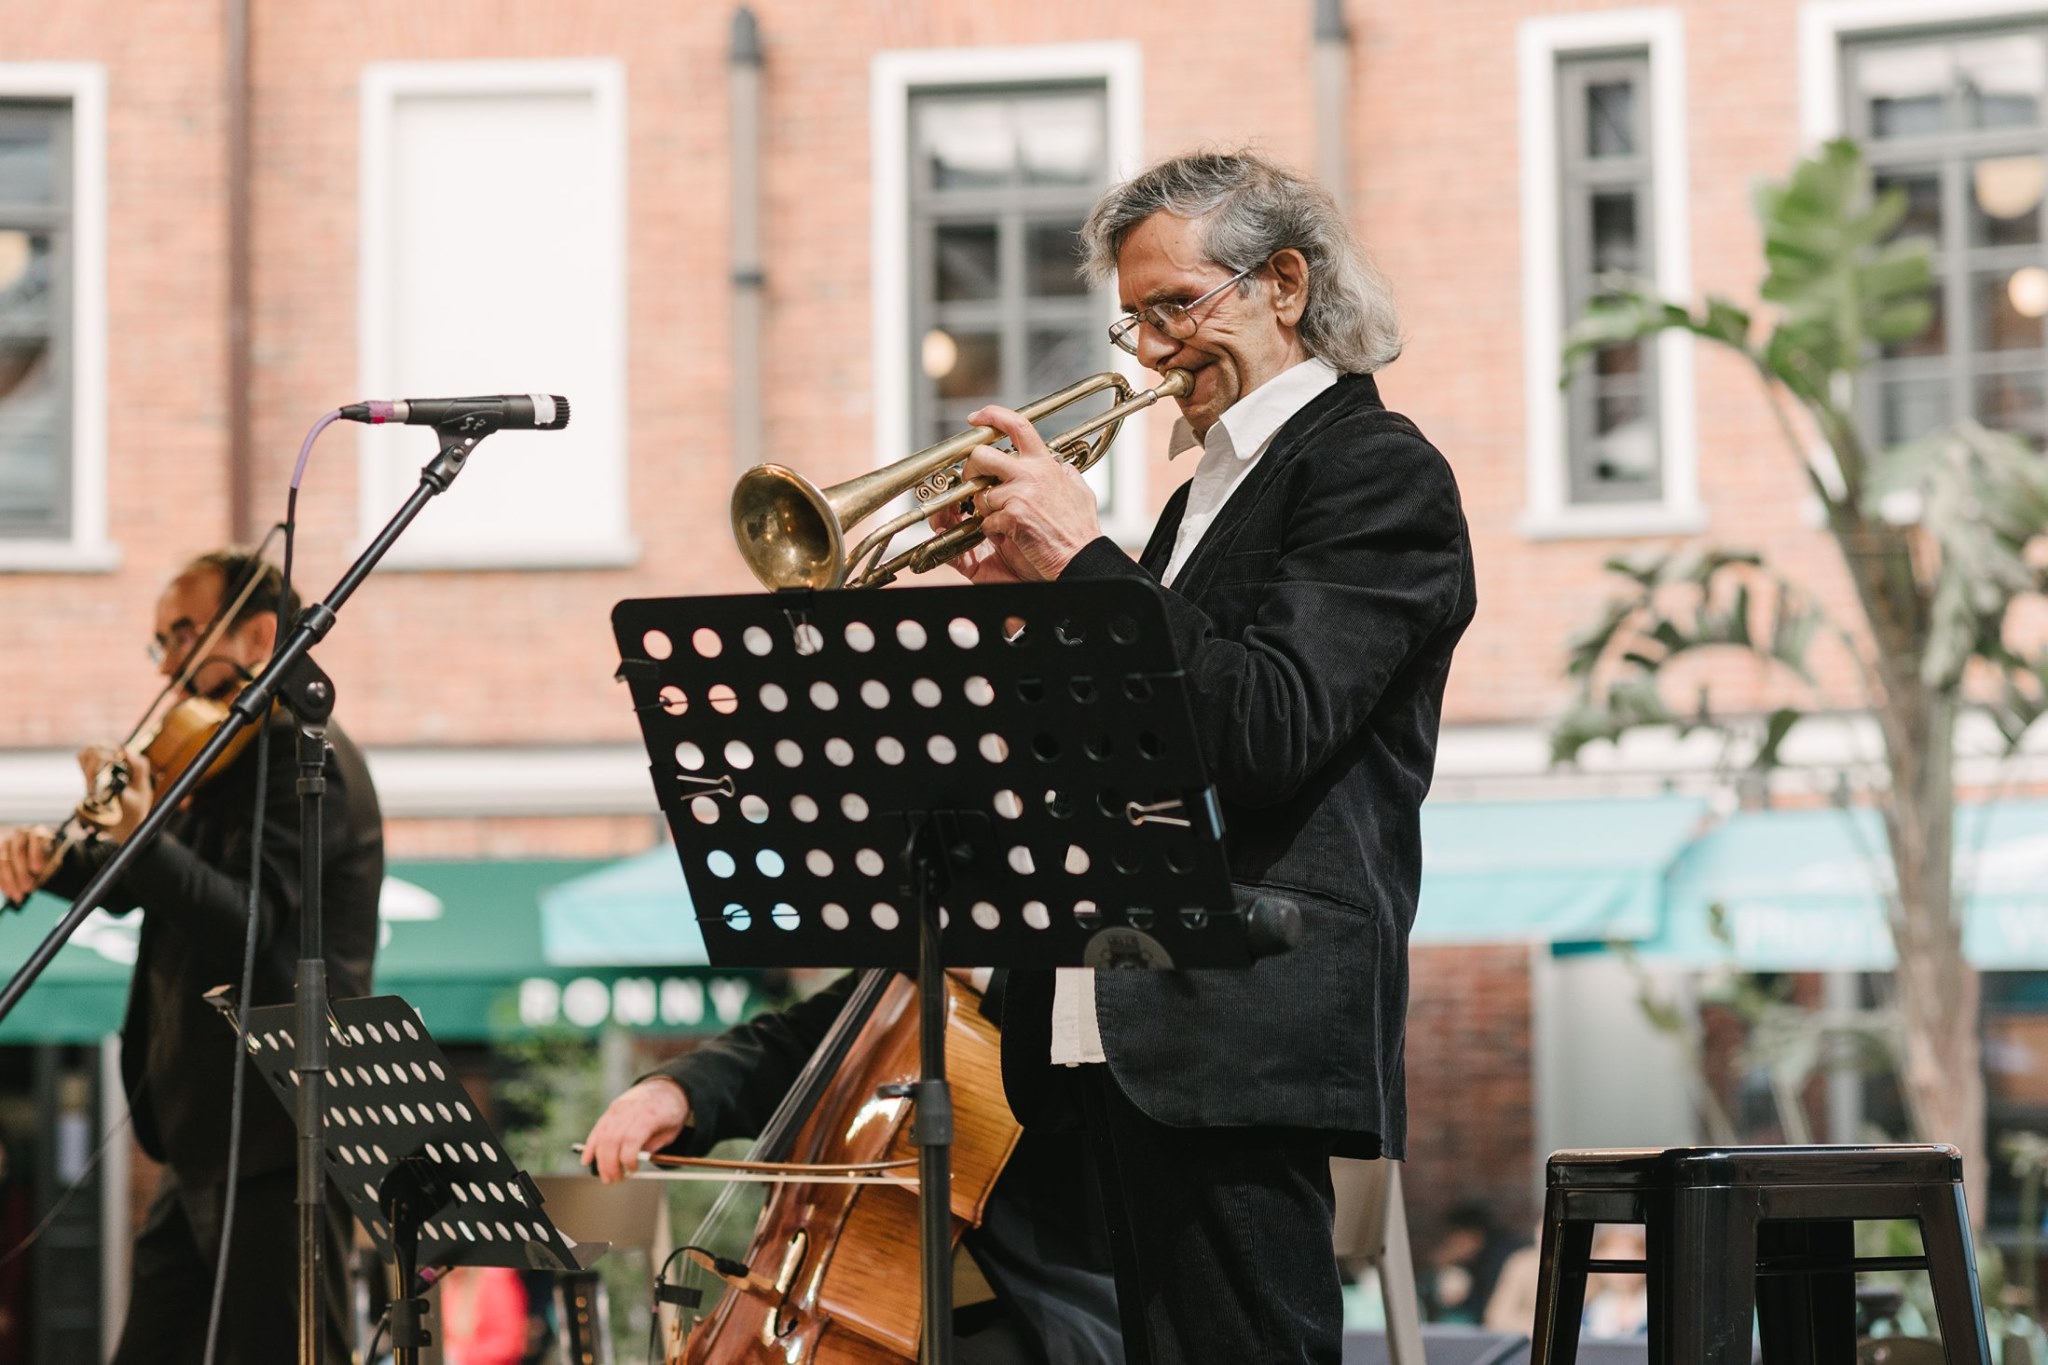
x=422, y=1170
x=972, y=776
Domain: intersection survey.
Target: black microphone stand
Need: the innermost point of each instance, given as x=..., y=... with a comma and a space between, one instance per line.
x=294, y=679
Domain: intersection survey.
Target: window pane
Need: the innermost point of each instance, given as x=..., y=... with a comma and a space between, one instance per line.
x=1933, y=341
x=1052, y=260
x=1615, y=244
x=2000, y=80
x=1903, y=89
x=28, y=158
x=975, y=371
x=2001, y=326
x=2005, y=201
x=1058, y=357
x=27, y=265
x=966, y=144
x=1624, y=454
x=2013, y=402
x=1610, y=119
x=1060, y=140
x=964, y=258
x=1619, y=360
x=31, y=467
x=1911, y=408
x=1923, y=202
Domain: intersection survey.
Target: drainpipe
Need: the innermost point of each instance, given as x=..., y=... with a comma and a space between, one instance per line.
x=1333, y=100
x=240, y=475
x=743, y=80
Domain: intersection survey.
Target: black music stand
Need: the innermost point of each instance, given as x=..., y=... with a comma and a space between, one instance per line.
x=970, y=776
x=422, y=1171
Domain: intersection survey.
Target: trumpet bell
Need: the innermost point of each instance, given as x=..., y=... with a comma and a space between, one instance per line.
x=787, y=529
x=793, y=533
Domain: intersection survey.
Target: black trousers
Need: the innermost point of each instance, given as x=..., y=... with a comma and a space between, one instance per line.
x=1222, y=1237
x=170, y=1289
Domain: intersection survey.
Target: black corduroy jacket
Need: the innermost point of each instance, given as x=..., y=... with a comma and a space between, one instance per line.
x=1315, y=623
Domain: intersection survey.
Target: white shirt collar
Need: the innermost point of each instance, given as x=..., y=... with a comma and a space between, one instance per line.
x=1246, y=425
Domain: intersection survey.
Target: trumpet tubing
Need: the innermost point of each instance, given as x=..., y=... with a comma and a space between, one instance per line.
x=793, y=534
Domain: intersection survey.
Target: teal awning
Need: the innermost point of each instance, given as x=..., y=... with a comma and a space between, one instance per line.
x=463, y=941
x=637, y=911
x=1806, y=890
x=1549, y=871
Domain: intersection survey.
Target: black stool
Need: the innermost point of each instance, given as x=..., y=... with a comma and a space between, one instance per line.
x=1769, y=1231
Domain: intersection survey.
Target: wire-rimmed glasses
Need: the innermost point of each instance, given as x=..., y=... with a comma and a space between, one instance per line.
x=1176, y=320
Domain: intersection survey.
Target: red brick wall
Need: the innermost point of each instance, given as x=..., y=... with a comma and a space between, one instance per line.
x=1436, y=180
x=1471, y=1097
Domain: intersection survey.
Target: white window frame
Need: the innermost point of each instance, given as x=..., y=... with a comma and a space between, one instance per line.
x=86, y=549
x=1824, y=24
x=1549, y=513
x=894, y=76
x=382, y=487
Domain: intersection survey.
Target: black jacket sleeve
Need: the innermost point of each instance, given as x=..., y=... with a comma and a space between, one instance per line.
x=736, y=1080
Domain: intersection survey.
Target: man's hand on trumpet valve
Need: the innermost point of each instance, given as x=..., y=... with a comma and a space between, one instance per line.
x=1037, y=517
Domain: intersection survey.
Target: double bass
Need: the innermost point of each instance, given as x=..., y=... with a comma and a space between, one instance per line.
x=830, y=1274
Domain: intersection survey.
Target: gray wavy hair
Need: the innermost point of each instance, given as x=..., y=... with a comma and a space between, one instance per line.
x=1249, y=207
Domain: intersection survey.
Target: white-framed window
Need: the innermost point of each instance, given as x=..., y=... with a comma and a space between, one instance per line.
x=494, y=261
x=986, y=160
x=1604, y=185
x=1950, y=103
x=53, y=318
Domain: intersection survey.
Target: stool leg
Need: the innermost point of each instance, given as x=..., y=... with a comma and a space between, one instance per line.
x=1807, y=1319
x=1560, y=1289
x=1712, y=1295
x=1952, y=1273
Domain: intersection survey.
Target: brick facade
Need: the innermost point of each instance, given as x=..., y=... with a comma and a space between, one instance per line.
x=519, y=658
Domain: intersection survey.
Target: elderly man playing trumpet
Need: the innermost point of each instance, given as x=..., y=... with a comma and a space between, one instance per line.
x=1317, y=574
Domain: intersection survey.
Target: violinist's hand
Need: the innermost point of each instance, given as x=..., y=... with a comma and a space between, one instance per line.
x=646, y=1118
x=24, y=857
x=138, y=789
x=1039, y=514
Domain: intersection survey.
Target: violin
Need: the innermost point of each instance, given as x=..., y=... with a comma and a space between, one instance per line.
x=830, y=1275
x=171, y=746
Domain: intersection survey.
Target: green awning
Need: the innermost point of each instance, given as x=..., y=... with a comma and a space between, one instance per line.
x=1805, y=890
x=1549, y=871
x=81, y=995
x=461, y=940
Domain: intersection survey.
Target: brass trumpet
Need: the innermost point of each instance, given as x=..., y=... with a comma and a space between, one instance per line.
x=793, y=533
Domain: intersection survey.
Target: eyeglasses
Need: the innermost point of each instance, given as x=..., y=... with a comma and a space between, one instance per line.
x=1176, y=320
x=180, y=640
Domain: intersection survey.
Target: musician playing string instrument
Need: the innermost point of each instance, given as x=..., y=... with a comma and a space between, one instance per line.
x=177, y=1062
x=1316, y=574
x=1039, y=1244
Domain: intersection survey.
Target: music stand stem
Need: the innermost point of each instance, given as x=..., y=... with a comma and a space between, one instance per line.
x=932, y=1120
x=311, y=1013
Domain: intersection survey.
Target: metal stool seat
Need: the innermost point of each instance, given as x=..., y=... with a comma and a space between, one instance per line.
x=1735, y=1233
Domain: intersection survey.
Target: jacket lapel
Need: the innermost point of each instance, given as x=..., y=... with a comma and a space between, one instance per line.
x=1159, y=549
x=1349, y=393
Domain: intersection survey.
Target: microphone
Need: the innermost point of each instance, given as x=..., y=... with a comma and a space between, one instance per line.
x=495, y=412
